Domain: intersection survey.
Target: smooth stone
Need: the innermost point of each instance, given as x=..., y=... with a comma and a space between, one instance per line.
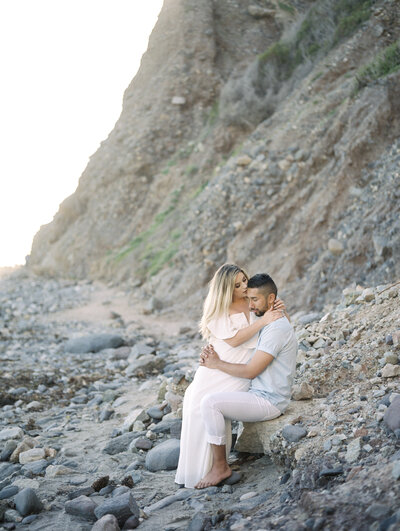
x=395, y=471
x=164, y=456
x=84, y=491
x=247, y=496
x=27, y=502
x=293, y=433
x=118, y=491
x=36, y=467
x=304, y=391
x=53, y=471
x=81, y=506
x=29, y=519
x=119, y=444
x=377, y=511
x=11, y=433
x=199, y=522
x=11, y=515
x=131, y=523
x=107, y=523
x=8, y=450
x=122, y=507
x=93, y=343
x=143, y=444
x=9, y=491
x=155, y=413
x=309, y=318
x=166, y=425
x=35, y=454
x=392, y=415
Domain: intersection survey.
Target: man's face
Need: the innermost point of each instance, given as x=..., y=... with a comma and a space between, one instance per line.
x=257, y=302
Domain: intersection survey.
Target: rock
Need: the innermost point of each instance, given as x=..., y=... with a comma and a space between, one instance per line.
x=11, y=433
x=178, y=100
x=392, y=415
x=254, y=437
x=244, y=160
x=304, y=391
x=53, y=471
x=377, y=511
x=140, y=349
x=93, y=343
x=122, y=507
x=143, y=444
x=36, y=467
x=293, y=433
x=131, y=523
x=23, y=446
x=27, y=502
x=145, y=364
x=83, y=491
x=353, y=450
x=35, y=454
x=395, y=471
x=335, y=247
x=107, y=523
x=8, y=449
x=390, y=371
x=155, y=413
x=309, y=318
x=248, y=495
x=164, y=456
x=34, y=406
x=368, y=295
x=81, y=506
x=119, y=444
x=389, y=357
x=8, y=492
x=199, y=522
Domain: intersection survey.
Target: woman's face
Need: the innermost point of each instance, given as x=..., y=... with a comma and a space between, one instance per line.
x=240, y=289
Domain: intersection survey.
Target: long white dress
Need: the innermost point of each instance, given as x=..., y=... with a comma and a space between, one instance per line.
x=195, y=459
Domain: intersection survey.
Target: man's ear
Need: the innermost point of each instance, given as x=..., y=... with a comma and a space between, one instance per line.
x=270, y=300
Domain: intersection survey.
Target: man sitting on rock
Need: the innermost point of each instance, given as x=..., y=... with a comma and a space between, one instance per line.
x=271, y=371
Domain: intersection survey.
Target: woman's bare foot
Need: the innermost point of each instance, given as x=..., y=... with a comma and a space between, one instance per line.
x=217, y=474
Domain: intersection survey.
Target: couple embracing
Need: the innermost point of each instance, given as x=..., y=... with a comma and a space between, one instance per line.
x=246, y=371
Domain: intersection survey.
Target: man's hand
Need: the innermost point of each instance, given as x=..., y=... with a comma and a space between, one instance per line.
x=209, y=358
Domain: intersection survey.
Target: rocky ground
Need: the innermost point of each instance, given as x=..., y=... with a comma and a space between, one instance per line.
x=90, y=404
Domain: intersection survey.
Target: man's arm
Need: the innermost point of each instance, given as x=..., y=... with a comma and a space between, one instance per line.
x=256, y=365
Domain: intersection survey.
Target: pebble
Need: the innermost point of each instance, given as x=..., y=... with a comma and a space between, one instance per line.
x=27, y=502
x=34, y=454
x=293, y=433
x=8, y=492
x=11, y=433
x=353, y=450
x=122, y=507
x=392, y=415
x=108, y=522
x=81, y=506
x=247, y=495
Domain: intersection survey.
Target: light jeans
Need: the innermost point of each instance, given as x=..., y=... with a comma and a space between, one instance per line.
x=244, y=406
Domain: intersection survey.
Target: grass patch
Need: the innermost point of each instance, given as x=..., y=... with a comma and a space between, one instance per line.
x=350, y=15
x=213, y=114
x=159, y=258
x=198, y=190
x=385, y=63
x=144, y=236
x=286, y=7
x=191, y=170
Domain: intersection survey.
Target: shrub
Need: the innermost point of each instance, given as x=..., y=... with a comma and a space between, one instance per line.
x=385, y=63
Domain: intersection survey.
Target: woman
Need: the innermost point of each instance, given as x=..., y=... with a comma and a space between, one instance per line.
x=231, y=329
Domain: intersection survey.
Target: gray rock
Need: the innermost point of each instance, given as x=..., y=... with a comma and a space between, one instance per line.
x=143, y=444
x=309, y=318
x=119, y=444
x=199, y=522
x=81, y=506
x=181, y=494
x=8, y=449
x=27, y=502
x=120, y=490
x=155, y=413
x=392, y=415
x=140, y=349
x=167, y=425
x=396, y=470
x=93, y=343
x=293, y=433
x=353, y=450
x=377, y=511
x=145, y=364
x=107, y=523
x=122, y=507
x=7, y=492
x=106, y=414
x=11, y=433
x=164, y=456
x=84, y=491
x=131, y=523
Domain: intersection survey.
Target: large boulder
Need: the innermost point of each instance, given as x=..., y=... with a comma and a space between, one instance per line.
x=254, y=437
x=93, y=343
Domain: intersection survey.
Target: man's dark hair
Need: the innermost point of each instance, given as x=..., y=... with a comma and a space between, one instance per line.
x=264, y=283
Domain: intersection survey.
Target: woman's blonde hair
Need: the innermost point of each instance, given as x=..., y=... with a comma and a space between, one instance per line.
x=220, y=295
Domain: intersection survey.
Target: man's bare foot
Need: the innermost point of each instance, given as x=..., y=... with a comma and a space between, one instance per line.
x=214, y=477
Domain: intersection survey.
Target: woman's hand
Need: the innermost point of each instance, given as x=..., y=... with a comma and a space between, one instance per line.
x=279, y=305
x=209, y=358
x=272, y=315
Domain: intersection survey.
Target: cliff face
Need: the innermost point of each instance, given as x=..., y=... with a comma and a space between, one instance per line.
x=260, y=133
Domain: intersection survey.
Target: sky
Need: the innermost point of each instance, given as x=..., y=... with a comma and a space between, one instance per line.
x=64, y=66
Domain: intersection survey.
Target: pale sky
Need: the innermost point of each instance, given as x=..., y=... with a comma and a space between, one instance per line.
x=64, y=67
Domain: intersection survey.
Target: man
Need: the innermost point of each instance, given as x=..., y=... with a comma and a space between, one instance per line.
x=271, y=370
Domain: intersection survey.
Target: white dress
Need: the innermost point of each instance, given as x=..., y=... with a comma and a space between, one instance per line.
x=195, y=459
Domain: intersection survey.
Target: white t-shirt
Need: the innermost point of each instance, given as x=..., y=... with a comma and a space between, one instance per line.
x=275, y=382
